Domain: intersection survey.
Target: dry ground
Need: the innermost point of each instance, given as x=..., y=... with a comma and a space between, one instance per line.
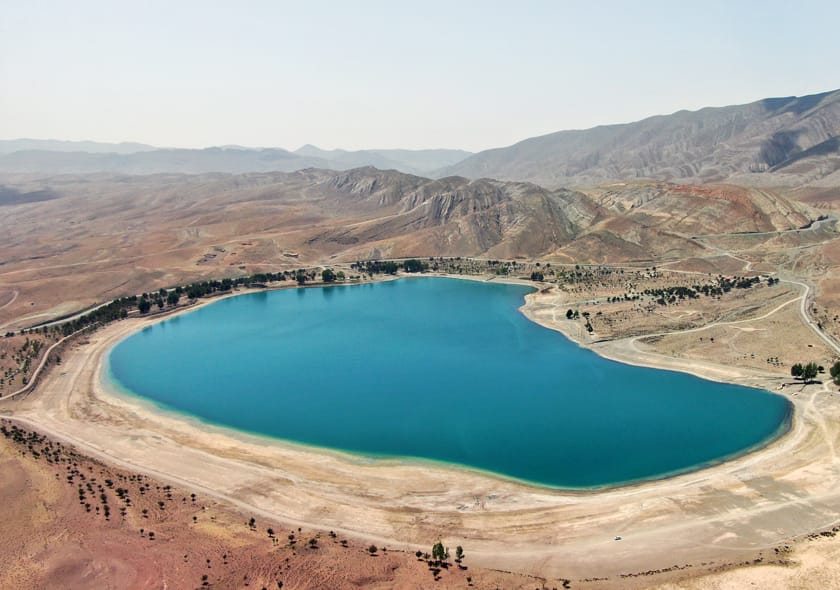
x=19, y=357
x=122, y=236
x=751, y=343
x=159, y=536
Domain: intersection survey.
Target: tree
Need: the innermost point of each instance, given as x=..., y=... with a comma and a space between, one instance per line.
x=439, y=552
x=459, y=553
x=570, y=314
x=143, y=305
x=834, y=371
x=809, y=372
x=340, y=275
x=373, y=549
x=327, y=275
x=537, y=276
x=414, y=265
x=172, y=298
x=796, y=371
x=300, y=277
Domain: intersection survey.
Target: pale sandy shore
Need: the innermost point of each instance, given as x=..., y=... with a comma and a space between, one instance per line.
x=722, y=514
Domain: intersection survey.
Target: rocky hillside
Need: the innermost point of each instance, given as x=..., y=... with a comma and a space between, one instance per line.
x=67, y=241
x=453, y=216
x=659, y=220
x=370, y=213
x=773, y=142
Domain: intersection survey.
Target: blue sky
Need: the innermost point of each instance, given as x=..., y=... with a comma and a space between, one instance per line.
x=370, y=74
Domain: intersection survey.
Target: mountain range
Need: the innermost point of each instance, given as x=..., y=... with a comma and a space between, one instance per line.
x=777, y=141
x=85, y=157
x=788, y=142
x=8, y=146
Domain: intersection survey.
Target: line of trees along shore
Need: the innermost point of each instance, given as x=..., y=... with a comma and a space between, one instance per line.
x=390, y=267
x=145, y=303
x=807, y=372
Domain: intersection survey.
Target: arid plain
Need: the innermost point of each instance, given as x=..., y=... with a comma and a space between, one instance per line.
x=608, y=252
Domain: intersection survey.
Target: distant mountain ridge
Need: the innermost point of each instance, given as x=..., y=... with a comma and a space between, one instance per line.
x=408, y=161
x=775, y=141
x=788, y=142
x=85, y=157
x=8, y=146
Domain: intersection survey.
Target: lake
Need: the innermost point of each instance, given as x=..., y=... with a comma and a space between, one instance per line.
x=441, y=370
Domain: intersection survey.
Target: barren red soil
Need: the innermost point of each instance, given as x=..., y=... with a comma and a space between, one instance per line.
x=56, y=535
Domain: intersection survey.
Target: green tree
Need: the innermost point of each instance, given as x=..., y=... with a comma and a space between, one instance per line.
x=537, y=276
x=414, y=265
x=173, y=297
x=300, y=277
x=834, y=371
x=459, y=553
x=439, y=552
x=797, y=370
x=809, y=372
x=327, y=275
x=143, y=305
x=340, y=275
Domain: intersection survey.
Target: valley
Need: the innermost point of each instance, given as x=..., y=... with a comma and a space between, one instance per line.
x=727, y=268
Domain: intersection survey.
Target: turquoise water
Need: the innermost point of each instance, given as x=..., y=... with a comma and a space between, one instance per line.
x=439, y=369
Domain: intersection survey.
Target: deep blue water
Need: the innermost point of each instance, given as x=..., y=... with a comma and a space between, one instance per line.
x=439, y=369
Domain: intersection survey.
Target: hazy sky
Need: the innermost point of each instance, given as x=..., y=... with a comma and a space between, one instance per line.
x=365, y=74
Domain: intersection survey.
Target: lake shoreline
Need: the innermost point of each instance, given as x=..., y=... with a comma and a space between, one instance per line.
x=113, y=386
x=557, y=532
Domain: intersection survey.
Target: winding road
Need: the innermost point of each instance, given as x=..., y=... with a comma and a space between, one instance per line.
x=635, y=339
x=37, y=372
x=803, y=309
